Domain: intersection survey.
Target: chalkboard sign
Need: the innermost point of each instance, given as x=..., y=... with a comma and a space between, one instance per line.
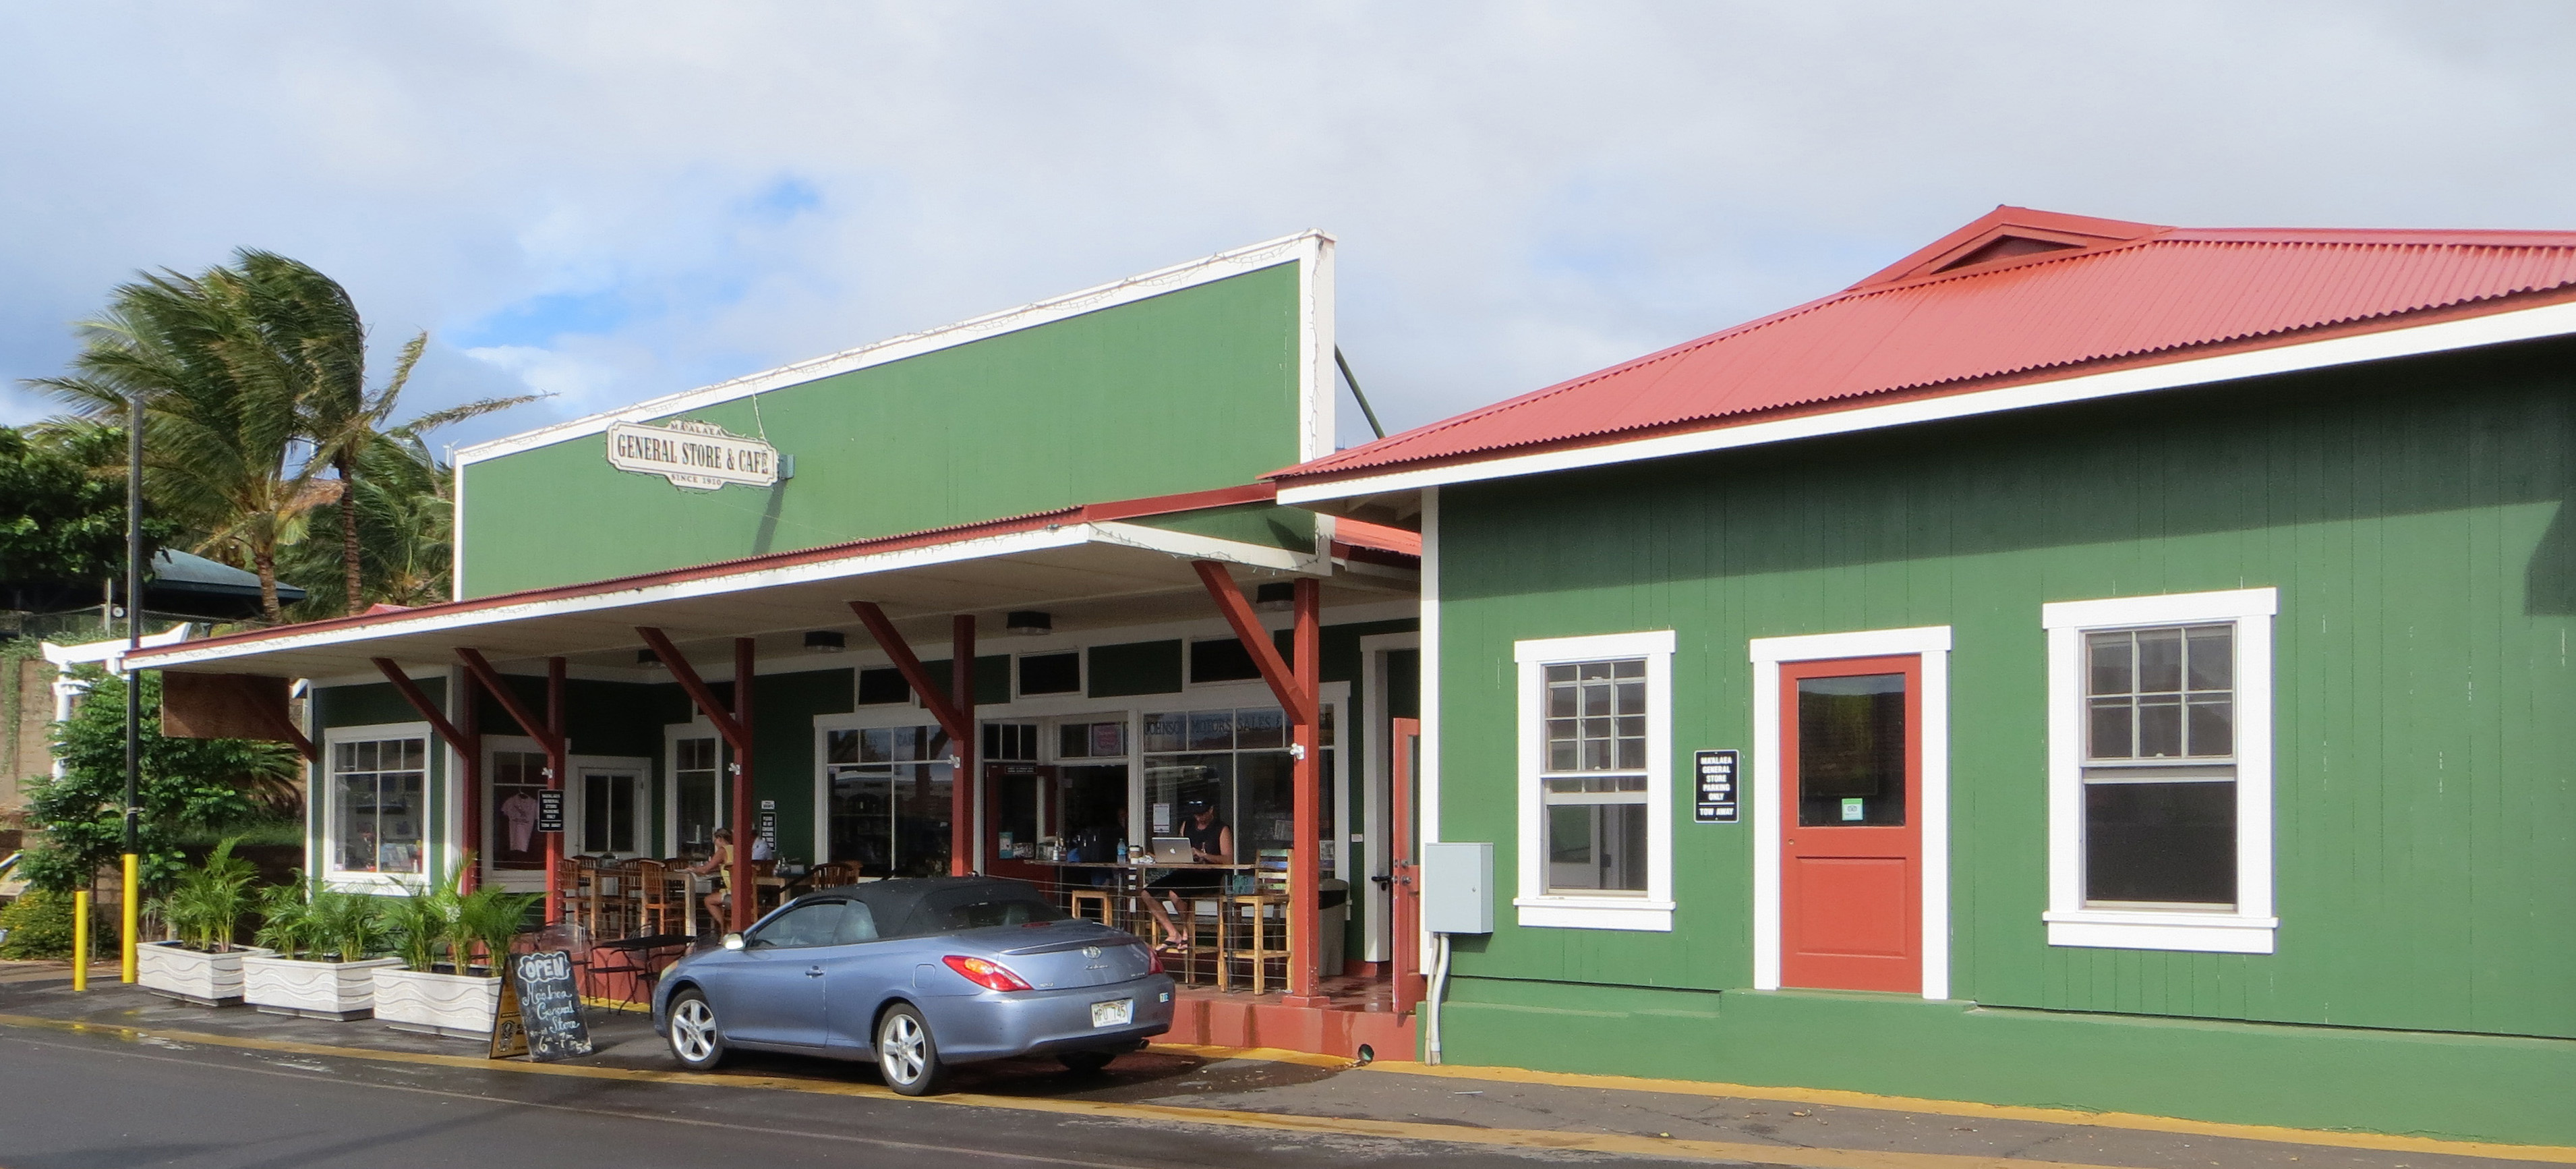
x=549, y=1005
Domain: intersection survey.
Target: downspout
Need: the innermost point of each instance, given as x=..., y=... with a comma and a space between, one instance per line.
x=1431, y=1015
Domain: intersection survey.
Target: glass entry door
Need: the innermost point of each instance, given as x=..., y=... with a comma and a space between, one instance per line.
x=1851, y=852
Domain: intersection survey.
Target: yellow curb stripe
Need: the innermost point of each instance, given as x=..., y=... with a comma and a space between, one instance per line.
x=2073, y=1117
x=1615, y=1143
x=1264, y=1054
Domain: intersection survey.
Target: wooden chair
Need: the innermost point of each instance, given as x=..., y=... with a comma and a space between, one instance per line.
x=653, y=899
x=1252, y=927
x=572, y=885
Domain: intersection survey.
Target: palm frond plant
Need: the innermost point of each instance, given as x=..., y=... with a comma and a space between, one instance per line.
x=206, y=904
x=286, y=918
x=492, y=917
x=420, y=921
x=348, y=926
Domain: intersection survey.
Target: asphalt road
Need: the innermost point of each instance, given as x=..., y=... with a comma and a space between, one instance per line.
x=76, y=1101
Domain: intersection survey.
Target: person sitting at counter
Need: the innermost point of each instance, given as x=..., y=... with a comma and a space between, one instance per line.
x=1211, y=843
x=719, y=862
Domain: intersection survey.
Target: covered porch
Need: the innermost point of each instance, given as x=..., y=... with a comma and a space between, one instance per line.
x=1090, y=674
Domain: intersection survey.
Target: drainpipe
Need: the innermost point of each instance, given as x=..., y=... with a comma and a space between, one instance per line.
x=1431, y=1017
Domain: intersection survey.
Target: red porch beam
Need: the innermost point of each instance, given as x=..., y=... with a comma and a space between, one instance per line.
x=542, y=730
x=735, y=727
x=276, y=717
x=1299, y=689
x=461, y=741
x=469, y=780
x=1283, y=680
x=954, y=712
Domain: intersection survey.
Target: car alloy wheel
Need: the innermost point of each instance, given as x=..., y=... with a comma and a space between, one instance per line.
x=694, y=1037
x=906, y=1052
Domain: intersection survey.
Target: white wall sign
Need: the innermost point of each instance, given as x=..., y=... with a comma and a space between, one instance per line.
x=692, y=454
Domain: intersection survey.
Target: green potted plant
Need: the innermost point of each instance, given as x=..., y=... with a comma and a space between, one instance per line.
x=204, y=907
x=328, y=944
x=429, y=922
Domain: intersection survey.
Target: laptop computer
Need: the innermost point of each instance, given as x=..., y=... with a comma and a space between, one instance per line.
x=1173, y=850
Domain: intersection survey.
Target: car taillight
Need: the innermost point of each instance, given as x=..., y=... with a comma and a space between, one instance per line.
x=989, y=975
x=1153, y=962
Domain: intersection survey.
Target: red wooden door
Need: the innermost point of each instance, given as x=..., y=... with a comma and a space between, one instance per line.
x=1851, y=824
x=1404, y=941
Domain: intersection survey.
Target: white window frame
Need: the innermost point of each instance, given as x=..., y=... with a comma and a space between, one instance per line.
x=1930, y=643
x=696, y=728
x=333, y=875
x=1536, y=906
x=2248, y=929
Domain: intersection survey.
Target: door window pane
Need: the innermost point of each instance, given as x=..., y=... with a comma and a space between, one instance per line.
x=1851, y=751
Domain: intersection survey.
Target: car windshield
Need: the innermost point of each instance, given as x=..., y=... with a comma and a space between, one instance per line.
x=968, y=909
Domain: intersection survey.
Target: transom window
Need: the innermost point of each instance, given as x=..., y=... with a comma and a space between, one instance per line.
x=378, y=797
x=1595, y=777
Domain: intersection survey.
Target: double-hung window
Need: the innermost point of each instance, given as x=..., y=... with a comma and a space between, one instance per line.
x=2160, y=772
x=1595, y=800
x=378, y=800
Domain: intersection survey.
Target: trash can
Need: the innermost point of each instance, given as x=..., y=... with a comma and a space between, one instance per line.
x=1332, y=917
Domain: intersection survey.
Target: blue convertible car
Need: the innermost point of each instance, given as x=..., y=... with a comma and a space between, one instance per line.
x=918, y=975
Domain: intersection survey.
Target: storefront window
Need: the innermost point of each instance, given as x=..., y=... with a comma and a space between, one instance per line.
x=889, y=800
x=378, y=798
x=1239, y=760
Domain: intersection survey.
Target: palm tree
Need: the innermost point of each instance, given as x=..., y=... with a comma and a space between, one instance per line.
x=220, y=424
x=313, y=329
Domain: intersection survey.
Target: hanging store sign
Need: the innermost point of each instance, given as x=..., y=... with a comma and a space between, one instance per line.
x=695, y=455
x=550, y=811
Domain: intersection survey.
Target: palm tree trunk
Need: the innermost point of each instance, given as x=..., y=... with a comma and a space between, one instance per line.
x=349, y=532
x=266, y=560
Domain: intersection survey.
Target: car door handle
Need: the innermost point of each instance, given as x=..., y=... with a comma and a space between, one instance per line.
x=813, y=972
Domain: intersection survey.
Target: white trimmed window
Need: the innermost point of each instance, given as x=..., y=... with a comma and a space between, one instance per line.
x=376, y=797
x=1595, y=785
x=2160, y=772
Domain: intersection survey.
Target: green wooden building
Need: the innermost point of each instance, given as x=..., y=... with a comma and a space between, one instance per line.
x=2086, y=664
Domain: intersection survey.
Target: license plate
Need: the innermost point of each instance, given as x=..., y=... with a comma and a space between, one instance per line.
x=1114, y=1013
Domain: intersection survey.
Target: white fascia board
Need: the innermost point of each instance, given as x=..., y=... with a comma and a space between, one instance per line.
x=1178, y=544
x=109, y=650
x=2552, y=320
x=1313, y=247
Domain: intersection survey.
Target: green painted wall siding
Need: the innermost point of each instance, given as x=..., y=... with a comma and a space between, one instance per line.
x=2472, y=1087
x=1187, y=391
x=783, y=710
x=1139, y=667
x=2413, y=517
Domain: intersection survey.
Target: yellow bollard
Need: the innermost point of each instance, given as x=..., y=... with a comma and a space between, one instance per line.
x=80, y=940
x=132, y=909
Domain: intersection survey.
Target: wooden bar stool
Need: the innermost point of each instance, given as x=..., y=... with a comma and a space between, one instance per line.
x=1085, y=901
x=1245, y=931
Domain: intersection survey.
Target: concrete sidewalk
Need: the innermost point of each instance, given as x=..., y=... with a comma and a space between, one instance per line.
x=1487, y=1106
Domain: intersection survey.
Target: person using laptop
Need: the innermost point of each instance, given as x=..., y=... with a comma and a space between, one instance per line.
x=1211, y=842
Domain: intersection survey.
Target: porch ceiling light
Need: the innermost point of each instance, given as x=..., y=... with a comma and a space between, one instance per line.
x=1275, y=597
x=1029, y=623
x=648, y=659
x=825, y=641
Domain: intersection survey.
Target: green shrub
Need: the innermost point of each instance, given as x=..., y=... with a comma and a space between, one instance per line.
x=40, y=926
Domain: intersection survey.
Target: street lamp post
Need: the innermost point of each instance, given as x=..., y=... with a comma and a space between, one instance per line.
x=132, y=900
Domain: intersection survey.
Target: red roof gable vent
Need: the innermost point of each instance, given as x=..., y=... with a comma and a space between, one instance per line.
x=2010, y=233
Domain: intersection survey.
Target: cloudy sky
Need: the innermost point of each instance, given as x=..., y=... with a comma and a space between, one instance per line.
x=616, y=200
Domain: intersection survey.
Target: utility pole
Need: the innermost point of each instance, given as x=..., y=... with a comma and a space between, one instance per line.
x=132, y=900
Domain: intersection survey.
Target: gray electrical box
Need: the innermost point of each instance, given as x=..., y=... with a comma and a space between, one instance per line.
x=1458, y=888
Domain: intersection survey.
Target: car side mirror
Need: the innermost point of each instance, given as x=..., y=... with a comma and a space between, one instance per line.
x=733, y=941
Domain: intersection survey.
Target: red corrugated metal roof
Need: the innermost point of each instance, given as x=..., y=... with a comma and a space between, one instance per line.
x=1946, y=319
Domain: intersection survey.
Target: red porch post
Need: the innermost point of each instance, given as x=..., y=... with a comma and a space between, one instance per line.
x=962, y=837
x=1299, y=691
x=960, y=725
x=746, y=893
x=469, y=780
x=735, y=728
x=421, y=705
x=548, y=733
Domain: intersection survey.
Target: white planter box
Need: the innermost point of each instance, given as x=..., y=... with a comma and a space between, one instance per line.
x=456, y=1006
x=320, y=990
x=208, y=980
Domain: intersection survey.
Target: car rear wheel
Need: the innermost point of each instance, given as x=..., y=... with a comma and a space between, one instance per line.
x=695, y=1038
x=1086, y=1062
x=906, y=1052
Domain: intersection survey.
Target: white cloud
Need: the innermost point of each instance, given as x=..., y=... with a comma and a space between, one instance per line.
x=577, y=192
